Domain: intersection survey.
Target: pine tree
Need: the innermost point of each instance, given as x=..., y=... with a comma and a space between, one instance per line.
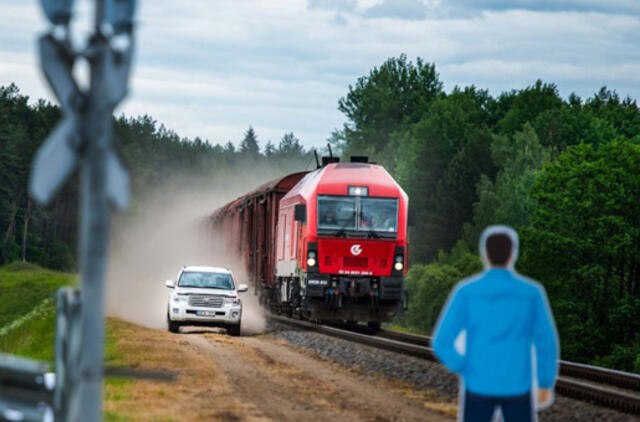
x=249, y=145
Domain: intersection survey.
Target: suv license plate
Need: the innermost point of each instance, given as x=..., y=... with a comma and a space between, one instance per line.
x=205, y=313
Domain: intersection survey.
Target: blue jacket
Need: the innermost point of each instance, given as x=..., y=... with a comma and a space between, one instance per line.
x=504, y=315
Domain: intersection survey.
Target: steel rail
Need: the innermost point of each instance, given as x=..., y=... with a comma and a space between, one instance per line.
x=418, y=346
x=582, y=371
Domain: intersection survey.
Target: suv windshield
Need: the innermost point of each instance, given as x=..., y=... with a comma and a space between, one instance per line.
x=341, y=214
x=205, y=280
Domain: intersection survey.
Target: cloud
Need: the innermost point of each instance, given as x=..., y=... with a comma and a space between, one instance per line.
x=400, y=9
x=343, y=5
x=211, y=71
x=470, y=7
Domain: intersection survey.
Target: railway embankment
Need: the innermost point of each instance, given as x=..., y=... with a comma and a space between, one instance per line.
x=421, y=376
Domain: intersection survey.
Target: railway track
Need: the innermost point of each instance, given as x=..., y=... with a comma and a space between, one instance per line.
x=615, y=389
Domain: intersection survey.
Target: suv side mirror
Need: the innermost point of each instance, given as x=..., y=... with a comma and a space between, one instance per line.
x=169, y=283
x=242, y=288
x=300, y=213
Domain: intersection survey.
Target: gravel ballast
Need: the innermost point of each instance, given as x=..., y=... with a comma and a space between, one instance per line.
x=423, y=374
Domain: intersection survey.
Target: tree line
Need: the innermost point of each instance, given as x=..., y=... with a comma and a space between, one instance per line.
x=154, y=155
x=564, y=172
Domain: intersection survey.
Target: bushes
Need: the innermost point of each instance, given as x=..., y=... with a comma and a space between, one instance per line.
x=429, y=285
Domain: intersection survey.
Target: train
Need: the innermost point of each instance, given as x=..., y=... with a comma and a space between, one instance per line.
x=327, y=245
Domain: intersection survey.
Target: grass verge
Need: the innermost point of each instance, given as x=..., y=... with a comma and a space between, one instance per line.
x=27, y=309
x=27, y=322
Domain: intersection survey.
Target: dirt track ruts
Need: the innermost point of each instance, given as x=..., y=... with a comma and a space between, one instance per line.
x=275, y=382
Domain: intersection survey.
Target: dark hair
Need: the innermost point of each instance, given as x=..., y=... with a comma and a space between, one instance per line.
x=499, y=249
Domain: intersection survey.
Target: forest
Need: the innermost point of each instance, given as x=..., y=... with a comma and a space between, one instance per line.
x=564, y=172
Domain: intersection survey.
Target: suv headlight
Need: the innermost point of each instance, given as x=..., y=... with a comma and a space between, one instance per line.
x=176, y=297
x=234, y=301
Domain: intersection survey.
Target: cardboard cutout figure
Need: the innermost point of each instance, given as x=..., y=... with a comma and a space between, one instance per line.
x=496, y=332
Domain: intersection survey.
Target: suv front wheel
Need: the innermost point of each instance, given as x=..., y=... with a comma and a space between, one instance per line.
x=233, y=330
x=173, y=326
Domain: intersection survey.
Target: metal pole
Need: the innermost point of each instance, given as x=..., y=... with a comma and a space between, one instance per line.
x=84, y=138
x=94, y=230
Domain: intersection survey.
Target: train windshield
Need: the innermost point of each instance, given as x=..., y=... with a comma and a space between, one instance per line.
x=358, y=215
x=206, y=280
x=336, y=213
x=378, y=214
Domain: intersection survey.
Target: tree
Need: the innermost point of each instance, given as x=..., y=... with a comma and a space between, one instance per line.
x=269, y=149
x=390, y=97
x=249, y=145
x=584, y=244
x=441, y=161
x=515, y=108
x=290, y=146
x=507, y=200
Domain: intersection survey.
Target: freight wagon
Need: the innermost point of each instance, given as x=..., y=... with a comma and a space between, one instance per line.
x=330, y=244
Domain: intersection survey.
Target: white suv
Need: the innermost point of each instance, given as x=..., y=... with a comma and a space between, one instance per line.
x=204, y=296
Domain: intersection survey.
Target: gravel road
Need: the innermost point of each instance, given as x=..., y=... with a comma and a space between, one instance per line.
x=276, y=382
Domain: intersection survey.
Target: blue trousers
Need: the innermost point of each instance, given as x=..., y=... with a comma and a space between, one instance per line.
x=479, y=408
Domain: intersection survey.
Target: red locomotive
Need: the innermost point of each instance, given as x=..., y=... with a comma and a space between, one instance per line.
x=330, y=244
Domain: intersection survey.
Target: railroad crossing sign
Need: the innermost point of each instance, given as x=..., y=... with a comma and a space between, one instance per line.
x=82, y=139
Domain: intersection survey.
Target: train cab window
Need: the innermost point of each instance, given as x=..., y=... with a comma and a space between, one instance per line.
x=379, y=214
x=358, y=216
x=336, y=213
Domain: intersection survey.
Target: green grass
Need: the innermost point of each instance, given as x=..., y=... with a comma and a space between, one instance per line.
x=27, y=322
x=24, y=286
x=114, y=357
x=403, y=329
x=27, y=309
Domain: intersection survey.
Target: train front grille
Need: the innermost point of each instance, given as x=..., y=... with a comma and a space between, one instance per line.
x=206, y=301
x=355, y=262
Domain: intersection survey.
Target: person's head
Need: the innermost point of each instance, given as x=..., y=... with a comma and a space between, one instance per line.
x=498, y=250
x=499, y=246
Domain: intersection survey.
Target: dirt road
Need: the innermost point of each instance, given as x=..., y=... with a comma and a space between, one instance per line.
x=249, y=379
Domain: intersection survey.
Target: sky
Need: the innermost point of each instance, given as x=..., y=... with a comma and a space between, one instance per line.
x=211, y=68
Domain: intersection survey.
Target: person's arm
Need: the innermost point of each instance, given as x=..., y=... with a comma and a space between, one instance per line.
x=545, y=339
x=450, y=323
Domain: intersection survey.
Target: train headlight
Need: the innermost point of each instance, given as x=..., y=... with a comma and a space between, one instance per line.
x=358, y=191
x=311, y=258
x=399, y=264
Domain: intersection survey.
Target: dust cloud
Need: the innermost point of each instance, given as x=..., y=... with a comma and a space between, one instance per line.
x=163, y=233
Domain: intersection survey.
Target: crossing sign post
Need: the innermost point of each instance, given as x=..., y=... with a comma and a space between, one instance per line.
x=83, y=140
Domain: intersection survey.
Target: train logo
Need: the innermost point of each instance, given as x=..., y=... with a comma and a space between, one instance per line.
x=356, y=250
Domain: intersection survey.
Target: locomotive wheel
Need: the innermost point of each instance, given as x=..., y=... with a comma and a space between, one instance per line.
x=374, y=326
